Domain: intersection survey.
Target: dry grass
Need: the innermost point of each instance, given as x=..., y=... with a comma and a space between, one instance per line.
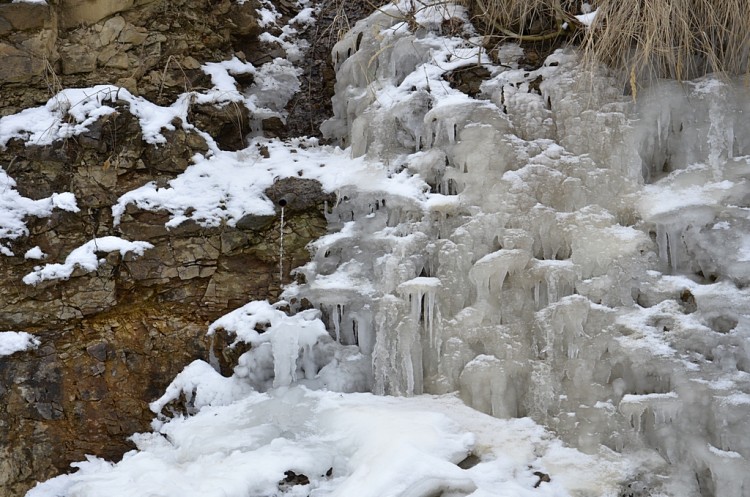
x=339, y=25
x=678, y=39
x=526, y=20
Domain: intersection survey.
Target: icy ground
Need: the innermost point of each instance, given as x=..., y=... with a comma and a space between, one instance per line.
x=548, y=252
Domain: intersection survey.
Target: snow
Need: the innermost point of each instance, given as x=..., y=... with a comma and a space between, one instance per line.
x=201, y=386
x=268, y=14
x=293, y=46
x=724, y=453
x=14, y=208
x=85, y=257
x=648, y=397
x=356, y=444
x=84, y=106
x=16, y=341
x=73, y=110
x=587, y=19
x=34, y=253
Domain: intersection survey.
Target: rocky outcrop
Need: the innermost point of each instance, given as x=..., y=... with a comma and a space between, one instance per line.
x=153, y=48
x=112, y=339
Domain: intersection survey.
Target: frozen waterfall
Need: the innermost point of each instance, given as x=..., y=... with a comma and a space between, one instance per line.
x=586, y=266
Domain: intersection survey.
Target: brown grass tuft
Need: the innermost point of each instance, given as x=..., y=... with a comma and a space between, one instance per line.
x=526, y=20
x=680, y=39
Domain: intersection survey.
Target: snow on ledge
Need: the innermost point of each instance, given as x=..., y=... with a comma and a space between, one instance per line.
x=16, y=341
x=14, y=208
x=225, y=186
x=35, y=253
x=85, y=257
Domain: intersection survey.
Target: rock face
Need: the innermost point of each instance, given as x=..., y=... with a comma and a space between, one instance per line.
x=152, y=48
x=112, y=339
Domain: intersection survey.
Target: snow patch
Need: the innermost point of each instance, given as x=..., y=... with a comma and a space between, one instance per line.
x=85, y=257
x=16, y=341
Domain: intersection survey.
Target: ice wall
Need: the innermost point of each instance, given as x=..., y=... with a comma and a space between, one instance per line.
x=580, y=258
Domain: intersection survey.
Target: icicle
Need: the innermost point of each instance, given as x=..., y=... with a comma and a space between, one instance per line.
x=552, y=279
x=633, y=412
x=212, y=359
x=573, y=351
x=496, y=266
x=717, y=139
x=451, y=128
x=408, y=368
x=365, y=338
x=418, y=289
x=281, y=247
x=658, y=129
x=674, y=241
x=285, y=344
x=662, y=244
x=336, y=320
x=430, y=317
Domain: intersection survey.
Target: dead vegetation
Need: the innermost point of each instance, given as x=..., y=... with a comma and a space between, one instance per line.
x=679, y=39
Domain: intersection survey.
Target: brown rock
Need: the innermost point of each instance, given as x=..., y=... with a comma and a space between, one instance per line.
x=111, y=30
x=26, y=16
x=133, y=35
x=77, y=59
x=117, y=61
x=5, y=27
x=18, y=65
x=87, y=12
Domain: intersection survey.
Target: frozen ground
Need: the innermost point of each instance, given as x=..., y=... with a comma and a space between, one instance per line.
x=549, y=252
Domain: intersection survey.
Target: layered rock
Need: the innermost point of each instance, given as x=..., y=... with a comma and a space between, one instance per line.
x=112, y=339
x=152, y=48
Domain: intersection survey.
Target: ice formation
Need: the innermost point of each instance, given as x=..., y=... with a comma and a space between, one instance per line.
x=580, y=259
x=548, y=250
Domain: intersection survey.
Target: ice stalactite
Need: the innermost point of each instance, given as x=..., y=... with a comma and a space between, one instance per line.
x=534, y=199
x=552, y=280
x=421, y=293
x=281, y=245
x=663, y=407
x=397, y=358
x=490, y=272
x=290, y=349
x=488, y=385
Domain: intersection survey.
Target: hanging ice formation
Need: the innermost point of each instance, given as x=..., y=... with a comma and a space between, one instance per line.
x=578, y=258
